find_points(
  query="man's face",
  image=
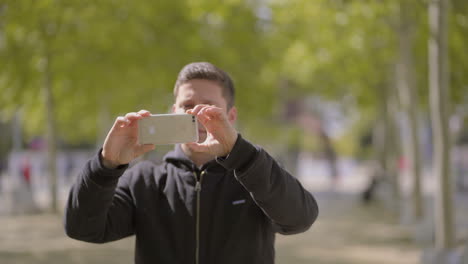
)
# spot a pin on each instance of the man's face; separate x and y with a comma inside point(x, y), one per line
point(200, 91)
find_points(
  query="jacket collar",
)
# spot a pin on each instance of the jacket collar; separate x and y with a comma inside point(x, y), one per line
point(178, 158)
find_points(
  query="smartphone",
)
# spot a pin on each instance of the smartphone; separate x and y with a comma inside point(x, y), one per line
point(167, 129)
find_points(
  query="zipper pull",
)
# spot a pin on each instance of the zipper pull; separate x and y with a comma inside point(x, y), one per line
point(199, 180)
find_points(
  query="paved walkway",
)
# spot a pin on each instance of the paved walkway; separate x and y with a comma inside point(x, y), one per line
point(346, 232)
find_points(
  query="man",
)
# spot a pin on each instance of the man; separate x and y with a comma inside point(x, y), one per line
point(220, 200)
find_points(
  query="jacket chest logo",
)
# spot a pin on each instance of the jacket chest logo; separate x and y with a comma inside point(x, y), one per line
point(237, 202)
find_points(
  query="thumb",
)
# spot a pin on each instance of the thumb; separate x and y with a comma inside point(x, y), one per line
point(197, 147)
point(142, 149)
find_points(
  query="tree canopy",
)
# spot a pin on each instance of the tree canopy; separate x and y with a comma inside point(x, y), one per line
point(110, 57)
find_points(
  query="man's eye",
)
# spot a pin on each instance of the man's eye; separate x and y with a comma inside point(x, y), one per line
point(186, 107)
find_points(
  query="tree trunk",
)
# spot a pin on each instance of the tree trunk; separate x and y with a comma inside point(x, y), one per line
point(439, 101)
point(392, 148)
point(50, 134)
point(409, 102)
point(385, 139)
point(17, 131)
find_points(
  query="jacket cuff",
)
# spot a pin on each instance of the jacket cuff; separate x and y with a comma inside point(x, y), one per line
point(240, 156)
point(104, 176)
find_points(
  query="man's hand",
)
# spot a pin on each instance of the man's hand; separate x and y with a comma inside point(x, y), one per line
point(221, 135)
point(121, 146)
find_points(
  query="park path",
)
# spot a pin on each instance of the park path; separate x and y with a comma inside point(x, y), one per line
point(346, 232)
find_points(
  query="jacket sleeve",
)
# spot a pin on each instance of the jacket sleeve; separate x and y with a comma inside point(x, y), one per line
point(281, 196)
point(100, 207)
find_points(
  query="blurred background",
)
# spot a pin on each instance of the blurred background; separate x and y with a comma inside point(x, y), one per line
point(365, 102)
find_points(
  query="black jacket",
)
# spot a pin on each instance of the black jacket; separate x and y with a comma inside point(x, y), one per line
point(225, 212)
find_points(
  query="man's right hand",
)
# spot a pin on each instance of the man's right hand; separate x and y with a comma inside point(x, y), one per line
point(121, 144)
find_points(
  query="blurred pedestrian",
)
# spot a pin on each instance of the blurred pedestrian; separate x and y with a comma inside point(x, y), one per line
point(220, 200)
point(26, 172)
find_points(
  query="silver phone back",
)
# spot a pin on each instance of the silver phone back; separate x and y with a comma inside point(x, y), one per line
point(167, 129)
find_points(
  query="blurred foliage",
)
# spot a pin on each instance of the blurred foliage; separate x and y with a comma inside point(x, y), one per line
point(110, 57)
point(118, 57)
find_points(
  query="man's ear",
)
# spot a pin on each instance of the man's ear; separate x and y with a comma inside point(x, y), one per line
point(232, 115)
point(173, 108)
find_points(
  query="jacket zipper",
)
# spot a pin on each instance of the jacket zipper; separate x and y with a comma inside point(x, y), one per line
point(197, 227)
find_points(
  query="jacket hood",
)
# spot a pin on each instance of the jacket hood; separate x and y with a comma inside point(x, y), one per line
point(178, 158)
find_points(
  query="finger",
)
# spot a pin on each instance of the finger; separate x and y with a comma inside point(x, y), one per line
point(207, 114)
point(144, 113)
point(210, 114)
point(133, 116)
point(203, 119)
point(213, 112)
point(121, 121)
point(194, 111)
point(197, 108)
point(142, 149)
point(202, 111)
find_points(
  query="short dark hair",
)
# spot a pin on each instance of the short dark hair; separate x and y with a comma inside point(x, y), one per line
point(207, 71)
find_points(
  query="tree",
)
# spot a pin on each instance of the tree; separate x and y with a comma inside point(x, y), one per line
point(439, 101)
point(405, 82)
point(89, 60)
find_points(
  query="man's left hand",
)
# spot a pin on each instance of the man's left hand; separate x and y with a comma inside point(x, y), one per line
point(221, 135)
